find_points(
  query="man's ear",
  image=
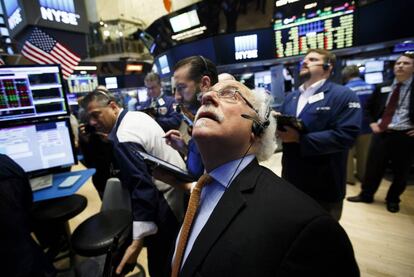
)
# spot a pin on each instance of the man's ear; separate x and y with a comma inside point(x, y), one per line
point(205, 83)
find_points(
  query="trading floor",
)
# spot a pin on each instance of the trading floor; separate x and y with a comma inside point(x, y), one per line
point(383, 241)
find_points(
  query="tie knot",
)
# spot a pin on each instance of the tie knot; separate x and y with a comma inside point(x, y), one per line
point(204, 179)
point(398, 85)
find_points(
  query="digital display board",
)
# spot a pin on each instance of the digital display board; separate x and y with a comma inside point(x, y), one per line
point(82, 83)
point(302, 25)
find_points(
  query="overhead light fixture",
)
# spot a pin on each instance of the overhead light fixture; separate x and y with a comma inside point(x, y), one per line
point(134, 67)
point(85, 67)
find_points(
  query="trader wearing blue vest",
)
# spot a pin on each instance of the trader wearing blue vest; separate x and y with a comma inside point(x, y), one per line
point(159, 105)
point(314, 160)
point(350, 76)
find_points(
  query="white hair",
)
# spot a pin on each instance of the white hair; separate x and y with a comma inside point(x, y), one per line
point(266, 144)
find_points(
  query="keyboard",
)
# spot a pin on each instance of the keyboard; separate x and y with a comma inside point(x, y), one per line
point(69, 181)
point(41, 182)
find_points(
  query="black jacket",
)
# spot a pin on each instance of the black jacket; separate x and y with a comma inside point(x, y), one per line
point(263, 226)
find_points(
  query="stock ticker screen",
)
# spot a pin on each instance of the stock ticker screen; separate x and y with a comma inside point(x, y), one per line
point(301, 25)
point(31, 92)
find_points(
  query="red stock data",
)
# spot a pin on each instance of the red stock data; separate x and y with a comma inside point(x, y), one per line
point(14, 93)
point(305, 24)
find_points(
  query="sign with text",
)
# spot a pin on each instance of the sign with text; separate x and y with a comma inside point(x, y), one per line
point(68, 15)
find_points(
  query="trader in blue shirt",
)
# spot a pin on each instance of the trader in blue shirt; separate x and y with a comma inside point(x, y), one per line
point(159, 105)
point(315, 160)
point(350, 76)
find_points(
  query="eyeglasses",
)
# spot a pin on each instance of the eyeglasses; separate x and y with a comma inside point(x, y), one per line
point(233, 95)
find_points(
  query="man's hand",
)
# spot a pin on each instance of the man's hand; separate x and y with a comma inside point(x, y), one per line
point(175, 140)
point(375, 128)
point(411, 133)
point(167, 177)
point(288, 136)
point(131, 254)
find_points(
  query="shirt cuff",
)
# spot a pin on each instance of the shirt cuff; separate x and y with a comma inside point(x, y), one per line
point(141, 229)
point(193, 184)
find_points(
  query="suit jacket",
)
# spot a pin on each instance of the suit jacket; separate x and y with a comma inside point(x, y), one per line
point(263, 226)
point(317, 164)
point(21, 256)
point(376, 103)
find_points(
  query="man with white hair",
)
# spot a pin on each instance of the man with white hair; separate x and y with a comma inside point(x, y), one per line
point(250, 222)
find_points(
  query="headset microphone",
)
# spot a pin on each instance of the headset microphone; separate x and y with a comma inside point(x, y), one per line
point(258, 127)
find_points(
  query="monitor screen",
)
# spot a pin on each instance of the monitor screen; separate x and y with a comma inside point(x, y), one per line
point(39, 147)
point(111, 82)
point(374, 78)
point(82, 83)
point(301, 25)
point(374, 66)
point(31, 92)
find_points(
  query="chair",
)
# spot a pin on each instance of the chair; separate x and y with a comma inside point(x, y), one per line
point(109, 231)
point(51, 223)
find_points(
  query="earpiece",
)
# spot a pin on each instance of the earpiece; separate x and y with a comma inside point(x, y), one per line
point(258, 126)
point(326, 66)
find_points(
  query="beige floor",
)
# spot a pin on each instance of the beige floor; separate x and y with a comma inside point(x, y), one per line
point(383, 242)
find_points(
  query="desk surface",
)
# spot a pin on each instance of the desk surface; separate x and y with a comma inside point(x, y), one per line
point(55, 191)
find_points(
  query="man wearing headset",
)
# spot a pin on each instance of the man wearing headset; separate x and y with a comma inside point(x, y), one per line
point(192, 76)
point(250, 222)
point(314, 160)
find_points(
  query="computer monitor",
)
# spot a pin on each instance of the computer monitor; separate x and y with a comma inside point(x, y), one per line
point(374, 78)
point(29, 92)
point(41, 147)
point(82, 83)
point(374, 66)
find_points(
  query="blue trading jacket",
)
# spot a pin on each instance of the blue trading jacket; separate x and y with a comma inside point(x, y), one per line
point(317, 165)
point(166, 116)
point(363, 91)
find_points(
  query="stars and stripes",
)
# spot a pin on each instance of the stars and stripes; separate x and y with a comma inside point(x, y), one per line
point(43, 49)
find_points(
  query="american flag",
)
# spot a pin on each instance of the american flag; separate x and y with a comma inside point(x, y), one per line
point(43, 49)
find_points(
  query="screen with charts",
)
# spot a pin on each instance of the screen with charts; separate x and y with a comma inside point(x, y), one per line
point(82, 83)
point(301, 25)
point(31, 92)
point(39, 147)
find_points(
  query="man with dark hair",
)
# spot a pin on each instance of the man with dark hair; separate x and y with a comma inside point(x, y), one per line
point(192, 76)
point(21, 256)
point(351, 79)
point(391, 111)
point(248, 221)
point(157, 208)
point(315, 160)
point(159, 105)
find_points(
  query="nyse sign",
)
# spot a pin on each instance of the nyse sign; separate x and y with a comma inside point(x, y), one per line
point(245, 47)
point(59, 16)
point(15, 19)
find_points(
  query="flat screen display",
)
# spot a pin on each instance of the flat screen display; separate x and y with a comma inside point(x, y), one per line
point(40, 146)
point(31, 92)
point(306, 24)
point(374, 66)
point(374, 78)
point(83, 83)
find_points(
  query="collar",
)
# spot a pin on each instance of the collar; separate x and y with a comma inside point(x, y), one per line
point(404, 83)
point(121, 114)
point(226, 173)
point(314, 87)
